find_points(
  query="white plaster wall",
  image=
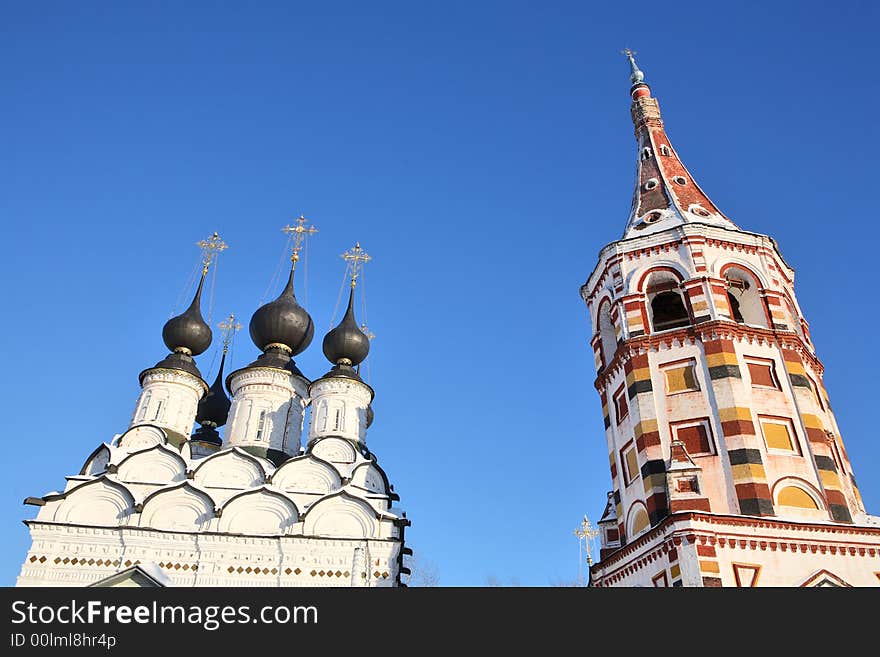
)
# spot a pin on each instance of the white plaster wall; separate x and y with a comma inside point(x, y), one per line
point(278, 394)
point(169, 399)
point(339, 408)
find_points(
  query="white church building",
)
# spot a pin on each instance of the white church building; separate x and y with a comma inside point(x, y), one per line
point(263, 506)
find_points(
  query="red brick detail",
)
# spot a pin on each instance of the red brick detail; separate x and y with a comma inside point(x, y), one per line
point(753, 490)
point(738, 428)
point(705, 551)
point(690, 504)
point(648, 439)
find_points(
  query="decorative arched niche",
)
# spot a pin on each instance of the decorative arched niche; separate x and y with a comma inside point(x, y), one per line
point(795, 497)
point(637, 520)
point(607, 333)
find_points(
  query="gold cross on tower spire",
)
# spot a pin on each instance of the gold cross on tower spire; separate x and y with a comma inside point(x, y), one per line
point(357, 258)
point(300, 232)
point(211, 248)
point(230, 327)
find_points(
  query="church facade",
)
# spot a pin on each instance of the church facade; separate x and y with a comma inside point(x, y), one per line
point(727, 464)
point(269, 504)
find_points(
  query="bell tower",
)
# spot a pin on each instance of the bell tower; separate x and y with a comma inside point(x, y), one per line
point(719, 429)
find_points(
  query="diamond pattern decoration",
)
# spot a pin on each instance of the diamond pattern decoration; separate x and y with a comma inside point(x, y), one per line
point(297, 571)
point(42, 559)
point(314, 572)
point(230, 570)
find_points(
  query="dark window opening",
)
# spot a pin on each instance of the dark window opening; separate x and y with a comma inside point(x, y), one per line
point(734, 308)
point(668, 311)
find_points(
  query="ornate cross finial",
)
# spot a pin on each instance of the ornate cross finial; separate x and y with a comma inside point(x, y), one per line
point(211, 247)
point(370, 335)
point(300, 232)
point(358, 258)
point(586, 533)
point(636, 75)
point(230, 327)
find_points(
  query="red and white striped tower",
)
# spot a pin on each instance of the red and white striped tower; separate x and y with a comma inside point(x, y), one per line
point(727, 465)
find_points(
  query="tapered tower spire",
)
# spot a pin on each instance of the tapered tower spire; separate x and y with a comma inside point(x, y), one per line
point(666, 193)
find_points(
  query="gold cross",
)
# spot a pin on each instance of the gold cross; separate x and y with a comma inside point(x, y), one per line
point(358, 258)
point(300, 232)
point(211, 247)
point(586, 533)
point(229, 327)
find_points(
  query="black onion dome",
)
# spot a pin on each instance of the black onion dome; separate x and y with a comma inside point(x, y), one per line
point(282, 321)
point(188, 332)
point(347, 342)
point(213, 409)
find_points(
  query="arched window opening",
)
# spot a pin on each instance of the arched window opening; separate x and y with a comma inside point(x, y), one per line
point(744, 298)
point(261, 426)
point(668, 311)
point(144, 405)
point(666, 303)
point(607, 334)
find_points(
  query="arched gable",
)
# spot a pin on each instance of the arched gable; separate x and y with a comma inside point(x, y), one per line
point(307, 474)
point(97, 461)
point(230, 468)
point(341, 515)
point(155, 465)
point(142, 436)
point(100, 501)
point(334, 450)
point(259, 511)
point(371, 477)
point(180, 508)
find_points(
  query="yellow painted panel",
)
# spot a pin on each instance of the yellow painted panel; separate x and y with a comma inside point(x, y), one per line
point(829, 479)
point(709, 567)
point(699, 305)
point(777, 436)
point(811, 421)
point(632, 465)
point(794, 496)
point(724, 358)
point(795, 367)
point(748, 471)
point(679, 379)
point(735, 413)
point(675, 571)
point(645, 426)
point(640, 521)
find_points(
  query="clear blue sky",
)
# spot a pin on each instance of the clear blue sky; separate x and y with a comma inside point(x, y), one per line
point(482, 152)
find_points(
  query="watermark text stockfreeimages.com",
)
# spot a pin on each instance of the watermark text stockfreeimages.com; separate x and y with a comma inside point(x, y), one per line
point(210, 617)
